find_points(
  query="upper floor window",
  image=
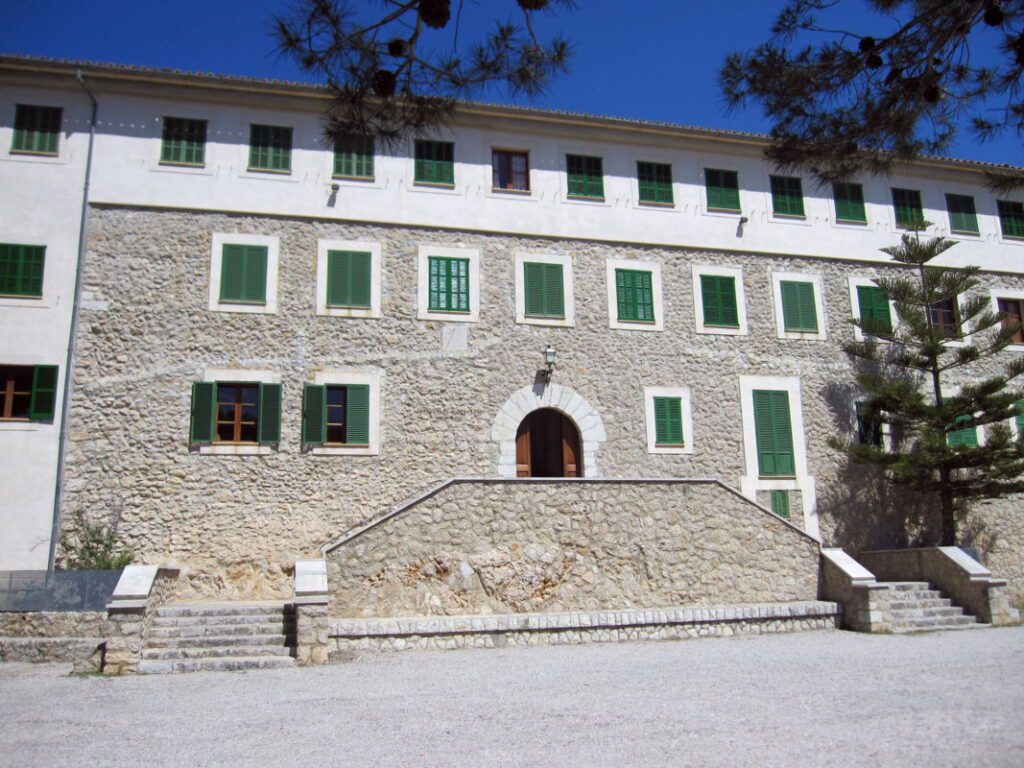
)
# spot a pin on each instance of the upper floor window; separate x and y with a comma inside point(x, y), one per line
point(1013, 317)
point(353, 157)
point(233, 412)
point(655, 183)
point(586, 176)
point(634, 296)
point(36, 129)
point(718, 300)
point(875, 315)
point(349, 279)
point(944, 317)
point(243, 274)
point(510, 170)
point(849, 200)
point(869, 425)
point(184, 141)
point(723, 190)
point(543, 290)
point(21, 270)
point(798, 306)
point(907, 205)
point(963, 219)
point(28, 392)
point(1011, 218)
point(449, 284)
point(773, 430)
point(270, 148)
point(434, 163)
point(787, 196)
point(336, 415)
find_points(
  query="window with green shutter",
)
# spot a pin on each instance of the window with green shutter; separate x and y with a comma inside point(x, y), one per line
point(869, 426)
point(718, 297)
point(723, 190)
point(336, 414)
point(780, 503)
point(963, 219)
point(28, 392)
point(585, 176)
point(774, 433)
point(875, 317)
point(348, 279)
point(787, 196)
point(36, 129)
point(184, 141)
point(668, 421)
point(239, 413)
point(634, 296)
point(655, 180)
point(849, 199)
point(434, 162)
point(1011, 218)
point(21, 269)
point(907, 205)
point(243, 274)
point(353, 156)
point(965, 436)
point(799, 313)
point(543, 290)
point(448, 286)
point(270, 148)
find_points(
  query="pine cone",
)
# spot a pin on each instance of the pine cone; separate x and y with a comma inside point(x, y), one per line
point(435, 13)
point(384, 83)
point(994, 15)
point(533, 5)
point(397, 47)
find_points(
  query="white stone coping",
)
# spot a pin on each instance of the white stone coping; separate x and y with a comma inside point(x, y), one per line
point(966, 563)
point(853, 570)
point(310, 581)
point(554, 622)
point(436, 489)
point(136, 584)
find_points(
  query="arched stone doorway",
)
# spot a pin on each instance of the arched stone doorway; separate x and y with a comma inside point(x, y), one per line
point(548, 445)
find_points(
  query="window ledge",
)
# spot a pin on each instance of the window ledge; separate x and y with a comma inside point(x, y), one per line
point(519, 192)
point(236, 450)
point(728, 211)
point(23, 296)
point(273, 171)
point(30, 153)
point(170, 164)
point(586, 198)
point(653, 204)
point(433, 184)
point(964, 233)
point(851, 222)
point(342, 177)
point(671, 450)
point(344, 450)
point(19, 425)
point(790, 216)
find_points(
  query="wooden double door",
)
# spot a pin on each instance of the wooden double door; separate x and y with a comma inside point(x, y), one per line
point(548, 445)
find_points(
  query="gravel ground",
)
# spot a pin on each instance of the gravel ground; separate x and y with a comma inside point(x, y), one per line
point(813, 699)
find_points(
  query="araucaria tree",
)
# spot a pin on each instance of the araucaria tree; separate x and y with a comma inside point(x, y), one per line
point(950, 440)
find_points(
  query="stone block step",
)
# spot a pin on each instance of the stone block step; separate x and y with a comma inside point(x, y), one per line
point(247, 618)
point(207, 630)
point(932, 622)
point(906, 586)
point(214, 641)
point(165, 666)
point(932, 602)
point(221, 609)
point(924, 613)
point(943, 628)
point(915, 594)
point(215, 652)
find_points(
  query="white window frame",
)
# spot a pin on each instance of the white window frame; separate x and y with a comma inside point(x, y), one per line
point(343, 376)
point(322, 249)
point(819, 308)
point(272, 244)
point(246, 376)
point(613, 305)
point(423, 283)
point(683, 393)
point(998, 293)
point(736, 273)
point(752, 482)
point(867, 282)
point(568, 296)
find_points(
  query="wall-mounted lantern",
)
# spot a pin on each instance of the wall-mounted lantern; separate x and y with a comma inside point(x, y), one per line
point(549, 361)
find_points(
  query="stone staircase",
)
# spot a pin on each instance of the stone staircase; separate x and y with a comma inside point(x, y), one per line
point(191, 637)
point(916, 607)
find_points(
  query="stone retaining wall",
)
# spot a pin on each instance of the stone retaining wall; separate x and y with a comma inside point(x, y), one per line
point(518, 546)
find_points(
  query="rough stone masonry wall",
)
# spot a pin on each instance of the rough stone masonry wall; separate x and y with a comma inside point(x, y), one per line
point(515, 547)
point(237, 524)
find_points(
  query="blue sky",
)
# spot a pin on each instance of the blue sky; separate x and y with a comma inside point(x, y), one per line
point(658, 61)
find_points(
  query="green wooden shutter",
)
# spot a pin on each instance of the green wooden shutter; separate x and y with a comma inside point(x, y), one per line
point(634, 295)
point(668, 421)
point(348, 279)
point(967, 436)
point(255, 274)
point(1011, 218)
point(232, 273)
point(869, 427)
point(722, 189)
point(21, 269)
point(1019, 419)
point(849, 199)
point(184, 141)
point(655, 182)
point(718, 296)
point(44, 393)
point(36, 129)
point(780, 503)
point(543, 290)
point(270, 414)
point(243, 274)
point(874, 310)
point(585, 176)
point(962, 216)
point(448, 289)
point(798, 310)
point(357, 415)
point(314, 414)
point(774, 433)
point(907, 205)
point(435, 162)
point(787, 196)
point(204, 398)
point(353, 156)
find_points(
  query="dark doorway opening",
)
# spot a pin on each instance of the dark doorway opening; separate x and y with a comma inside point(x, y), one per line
point(548, 445)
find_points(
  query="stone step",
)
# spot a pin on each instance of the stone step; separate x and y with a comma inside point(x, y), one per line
point(906, 586)
point(236, 663)
point(261, 608)
point(215, 652)
point(215, 641)
point(207, 630)
point(924, 613)
point(916, 594)
point(936, 622)
point(933, 602)
point(941, 628)
point(246, 618)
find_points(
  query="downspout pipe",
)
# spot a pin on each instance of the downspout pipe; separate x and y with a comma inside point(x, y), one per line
point(73, 333)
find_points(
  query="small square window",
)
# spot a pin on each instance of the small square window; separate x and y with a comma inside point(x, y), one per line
point(270, 148)
point(723, 190)
point(36, 129)
point(718, 294)
point(655, 183)
point(907, 206)
point(849, 200)
point(510, 171)
point(449, 284)
point(184, 142)
point(787, 196)
point(669, 421)
point(28, 392)
point(349, 279)
point(634, 296)
point(434, 163)
point(1011, 218)
point(585, 176)
point(1012, 308)
point(963, 219)
point(353, 157)
point(243, 274)
point(798, 307)
point(543, 290)
point(21, 270)
point(780, 503)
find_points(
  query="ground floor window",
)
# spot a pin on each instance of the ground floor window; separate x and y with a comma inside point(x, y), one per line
point(336, 415)
point(28, 392)
point(235, 413)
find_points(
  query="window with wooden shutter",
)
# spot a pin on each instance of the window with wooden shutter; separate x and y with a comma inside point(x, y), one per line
point(314, 416)
point(1013, 318)
point(243, 274)
point(270, 414)
point(668, 421)
point(774, 434)
point(585, 176)
point(204, 413)
point(235, 413)
point(434, 163)
point(36, 129)
point(718, 297)
point(336, 415)
point(353, 156)
point(849, 200)
point(358, 402)
point(869, 426)
point(963, 219)
point(655, 183)
point(873, 303)
point(544, 290)
point(965, 436)
point(787, 196)
point(28, 392)
point(44, 393)
point(348, 279)
point(723, 190)
point(184, 142)
point(907, 206)
point(780, 503)
point(1011, 218)
point(798, 307)
point(634, 295)
point(21, 270)
point(448, 287)
point(270, 148)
